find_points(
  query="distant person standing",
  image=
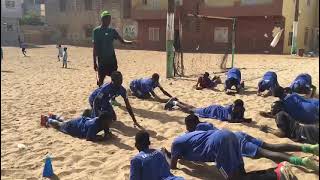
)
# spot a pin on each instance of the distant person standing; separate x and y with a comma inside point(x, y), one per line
point(103, 37)
point(1, 54)
point(64, 58)
point(23, 49)
point(60, 52)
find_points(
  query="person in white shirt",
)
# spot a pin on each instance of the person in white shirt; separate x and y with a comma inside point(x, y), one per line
point(64, 58)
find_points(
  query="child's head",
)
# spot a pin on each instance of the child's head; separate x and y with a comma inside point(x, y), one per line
point(231, 82)
point(206, 75)
point(105, 18)
point(116, 78)
point(284, 122)
point(276, 107)
point(106, 119)
point(142, 140)
point(278, 92)
point(155, 77)
point(191, 122)
point(87, 113)
point(65, 49)
point(59, 45)
point(238, 109)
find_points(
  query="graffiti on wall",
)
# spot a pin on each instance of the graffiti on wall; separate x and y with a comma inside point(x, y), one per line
point(130, 31)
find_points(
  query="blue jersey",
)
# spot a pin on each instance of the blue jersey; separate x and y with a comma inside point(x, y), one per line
point(220, 146)
point(82, 127)
point(302, 81)
point(268, 82)
point(301, 109)
point(235, 74)
point(100, 98)
point(215, 112)
point(144, 85)
point(205, 126)
point(149, 165)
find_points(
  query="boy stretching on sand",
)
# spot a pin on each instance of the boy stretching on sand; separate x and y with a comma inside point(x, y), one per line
point(82, 127)
point(268, 82)
point(144, 88)
point(103, 37)
point(205, 82)
point(233, 79)
point(232, 113)
point(299, 108)
point(100, 99)
point(223, 148)
point(289, 127)
point(149, 164)
point(303, 85)
point(255, 148)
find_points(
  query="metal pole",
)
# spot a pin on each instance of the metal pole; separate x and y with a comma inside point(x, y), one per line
point(233, 40)
point(170, 38)
point(295, 29)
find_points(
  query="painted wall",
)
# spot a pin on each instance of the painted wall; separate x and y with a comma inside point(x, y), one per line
point(151, 4)
point(307, 18)
point(14, 12)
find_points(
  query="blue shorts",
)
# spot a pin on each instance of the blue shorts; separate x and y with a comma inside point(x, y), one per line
point(249, 145)
point(66, 127)
point(138, 93)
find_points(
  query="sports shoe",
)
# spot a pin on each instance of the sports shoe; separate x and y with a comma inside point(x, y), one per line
point(310, 164)
point(284, 171)
point(169, 105)
point(314, 149)
point(44, 121)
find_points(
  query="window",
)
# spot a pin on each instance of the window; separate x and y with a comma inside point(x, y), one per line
point(10, 27)
point(10, 4)
point(290, 38)
point(154, 34)
point(306, 36)
point(63, 5)
point(88, 5)
point(221, 35)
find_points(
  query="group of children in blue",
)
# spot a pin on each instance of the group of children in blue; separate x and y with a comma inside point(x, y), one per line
point(203, 142)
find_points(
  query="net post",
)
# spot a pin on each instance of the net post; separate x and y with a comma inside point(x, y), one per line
point(233, 40)
point(170, 38)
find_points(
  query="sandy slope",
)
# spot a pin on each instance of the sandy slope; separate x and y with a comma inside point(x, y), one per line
point(37, 84)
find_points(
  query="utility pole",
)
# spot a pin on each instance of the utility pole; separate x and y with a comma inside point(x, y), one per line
point(170, 38)
point(295, 29)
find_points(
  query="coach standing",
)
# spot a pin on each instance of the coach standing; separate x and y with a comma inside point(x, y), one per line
point(103, 37)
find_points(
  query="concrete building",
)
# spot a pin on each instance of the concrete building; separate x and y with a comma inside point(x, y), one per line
point(76, 19)
point(33, 6)
point(11, 12)
point(258, 21)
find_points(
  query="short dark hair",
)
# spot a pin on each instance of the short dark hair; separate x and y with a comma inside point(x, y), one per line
point(87, 113)
point(191, 119)
point(276, 107)
point(65, 48)
point(115, 75)
point(142, 140)
point(155, 76)
point(238, 102)
point(206, 74)
point(278, 92)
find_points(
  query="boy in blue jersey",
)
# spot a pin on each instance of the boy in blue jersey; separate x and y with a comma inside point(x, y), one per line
point(149, 164)
point(232, 113)
point(289, 127)
point(205, 82)
point(82, 127)
point(299, 108)
point(233, 79)
point(100, 99)
point(144, 88)
point(255, 148)
point(303, 85)
point(223, 148)
point(103, 37)
point(268, 82)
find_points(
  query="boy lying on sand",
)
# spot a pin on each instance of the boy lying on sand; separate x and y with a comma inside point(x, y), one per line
point(205, 82)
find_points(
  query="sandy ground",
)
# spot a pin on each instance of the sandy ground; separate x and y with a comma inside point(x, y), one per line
point(36, 85)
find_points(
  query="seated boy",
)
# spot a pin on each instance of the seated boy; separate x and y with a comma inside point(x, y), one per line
point(82, 127)
point(223, 148)
point(232, 113)
point(268, 82)
point(100, 99)
point(303, 85)
point(144, 88)
point(149, 164)
point(233, 79)
point(299, 108)
point(256, 148)
point(205, 82)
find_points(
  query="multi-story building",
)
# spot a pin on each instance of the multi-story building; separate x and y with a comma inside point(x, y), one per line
point(32, 6)
point(258, 21)
point(76, 19)
point(11, 12)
